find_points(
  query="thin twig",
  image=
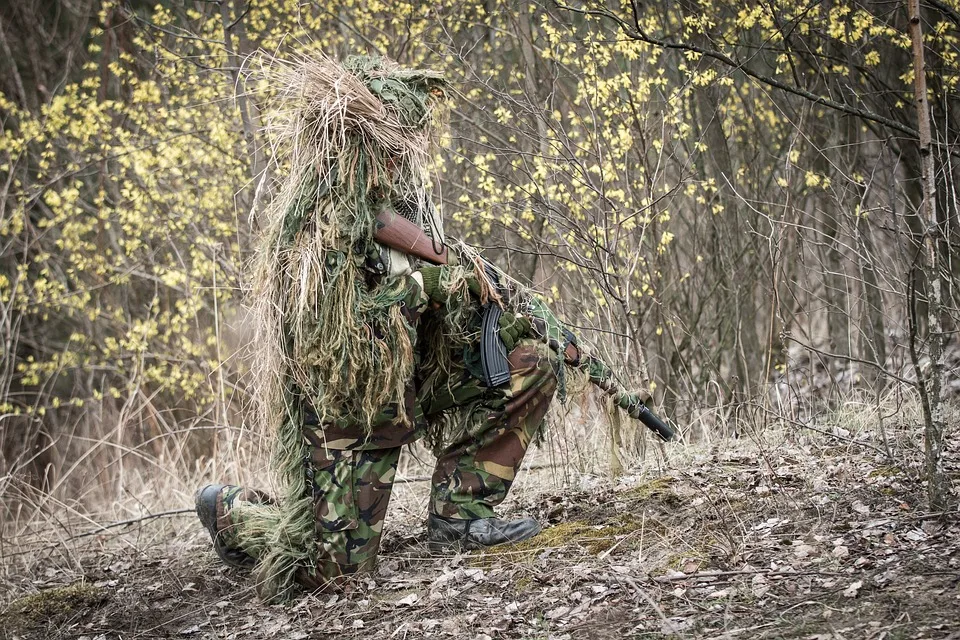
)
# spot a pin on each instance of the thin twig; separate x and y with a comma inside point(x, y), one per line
point(804, 425)
point(635, 32)
point(411, 479)
point(121, 523)
point(103, 527)
point(703, 575)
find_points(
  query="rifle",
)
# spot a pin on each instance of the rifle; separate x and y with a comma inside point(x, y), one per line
point(638, 410)
point(549, 329)
point(394, 231)
point(493, 353)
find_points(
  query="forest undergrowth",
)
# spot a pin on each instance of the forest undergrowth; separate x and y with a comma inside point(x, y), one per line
point(787, 532)
point(749, 208)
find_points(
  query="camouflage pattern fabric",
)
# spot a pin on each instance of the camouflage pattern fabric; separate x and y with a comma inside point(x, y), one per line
point(350, 471)
point(493, 428)
point(351, 490)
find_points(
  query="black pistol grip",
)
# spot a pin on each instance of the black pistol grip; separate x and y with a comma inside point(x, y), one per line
point(493, 353)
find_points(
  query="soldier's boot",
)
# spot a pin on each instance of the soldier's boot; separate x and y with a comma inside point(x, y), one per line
point(457, 534)
point(475, 471)
point(213, 504)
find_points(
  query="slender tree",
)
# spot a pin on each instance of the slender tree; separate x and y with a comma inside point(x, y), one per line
point(938, 484)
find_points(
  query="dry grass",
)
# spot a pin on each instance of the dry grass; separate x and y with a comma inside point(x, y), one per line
point(111, 480)
point(699, 506)
point(116, 481)
point(768, 535)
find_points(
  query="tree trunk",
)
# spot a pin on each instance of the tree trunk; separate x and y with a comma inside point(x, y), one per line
point(531, 84)
point(938, 484)
point(737, 261)
point(249, 116)
point(835, 287)
point(873, 341)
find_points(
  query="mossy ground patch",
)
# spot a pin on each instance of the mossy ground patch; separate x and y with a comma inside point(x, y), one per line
point(623, 530)
point(51, 604)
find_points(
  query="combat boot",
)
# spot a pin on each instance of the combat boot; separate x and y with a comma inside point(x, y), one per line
point(452, 533)
point(213, 503)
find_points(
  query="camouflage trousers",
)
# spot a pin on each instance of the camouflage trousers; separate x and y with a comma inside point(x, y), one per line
point(489, 429)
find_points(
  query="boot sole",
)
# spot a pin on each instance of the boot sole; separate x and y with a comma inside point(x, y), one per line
point(205, 503)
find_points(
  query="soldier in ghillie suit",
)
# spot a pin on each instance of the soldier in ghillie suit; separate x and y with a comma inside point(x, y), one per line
point(365, 348)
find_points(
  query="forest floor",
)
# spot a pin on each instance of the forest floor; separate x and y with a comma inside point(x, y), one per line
point(825, 539)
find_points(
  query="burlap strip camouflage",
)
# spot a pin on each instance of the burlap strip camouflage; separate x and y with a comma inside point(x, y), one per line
point(490, 432)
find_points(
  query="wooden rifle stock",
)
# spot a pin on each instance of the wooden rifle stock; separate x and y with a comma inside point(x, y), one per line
point(396, 232)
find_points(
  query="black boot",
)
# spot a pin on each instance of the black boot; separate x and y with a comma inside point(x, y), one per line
point(206, 501)
point(446, 533)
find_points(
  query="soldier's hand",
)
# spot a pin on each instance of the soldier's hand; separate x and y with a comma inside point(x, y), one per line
point(597, 369)
point(513, 328)
point(632, 403)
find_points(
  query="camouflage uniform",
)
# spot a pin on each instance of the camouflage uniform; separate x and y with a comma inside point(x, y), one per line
point(338, 305)
point(350, 472)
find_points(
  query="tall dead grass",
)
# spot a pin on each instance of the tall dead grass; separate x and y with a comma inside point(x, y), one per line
point(118, 482)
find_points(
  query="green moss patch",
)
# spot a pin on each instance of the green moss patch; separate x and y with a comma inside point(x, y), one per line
point(595, 534)
point(887, 471)
point(658, 487)
point(594, 539)
point(52, 604)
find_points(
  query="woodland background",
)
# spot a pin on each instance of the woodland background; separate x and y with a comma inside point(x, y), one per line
point(727, 198)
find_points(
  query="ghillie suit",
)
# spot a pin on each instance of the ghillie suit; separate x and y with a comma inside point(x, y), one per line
point(345, 380)
point(365, 349)
point(353, 138)
point(358, 140)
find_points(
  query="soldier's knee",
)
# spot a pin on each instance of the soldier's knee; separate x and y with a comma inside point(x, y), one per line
point(536, 364)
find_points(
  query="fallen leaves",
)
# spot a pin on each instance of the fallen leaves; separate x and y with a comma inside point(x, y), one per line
point(408, 600)
point(713, 556)
point(852, 590)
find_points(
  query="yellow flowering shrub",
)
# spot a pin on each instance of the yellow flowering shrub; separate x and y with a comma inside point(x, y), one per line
point(621, 169)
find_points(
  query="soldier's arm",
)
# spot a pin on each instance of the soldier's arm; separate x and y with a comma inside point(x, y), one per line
point(449, 286)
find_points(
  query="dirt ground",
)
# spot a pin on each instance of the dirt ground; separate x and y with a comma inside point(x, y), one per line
point(824, 539)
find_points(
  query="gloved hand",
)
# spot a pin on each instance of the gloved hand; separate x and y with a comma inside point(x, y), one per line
point(513, 328)
point(435, 290)
point(597, 369)
point(633, 403)
point(431, 283)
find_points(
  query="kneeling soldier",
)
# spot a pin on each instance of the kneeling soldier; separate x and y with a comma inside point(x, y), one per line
point(370, 330)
